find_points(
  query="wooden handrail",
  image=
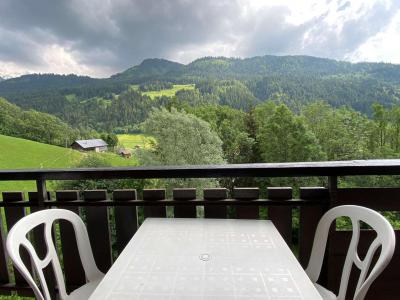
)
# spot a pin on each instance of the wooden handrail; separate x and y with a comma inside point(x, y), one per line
point(326, 168)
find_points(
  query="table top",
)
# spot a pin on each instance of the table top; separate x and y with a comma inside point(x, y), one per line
point(173, 258)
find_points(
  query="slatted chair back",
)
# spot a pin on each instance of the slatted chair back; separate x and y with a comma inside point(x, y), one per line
point(385, 239)
point(18, 237)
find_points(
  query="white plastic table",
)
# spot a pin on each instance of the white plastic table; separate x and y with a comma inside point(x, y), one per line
point(206, 259)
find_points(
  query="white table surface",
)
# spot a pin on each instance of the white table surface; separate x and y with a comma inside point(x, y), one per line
point(206, 259)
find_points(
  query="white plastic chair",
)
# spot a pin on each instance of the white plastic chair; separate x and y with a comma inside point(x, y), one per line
point(385, 239)
point(17, 238)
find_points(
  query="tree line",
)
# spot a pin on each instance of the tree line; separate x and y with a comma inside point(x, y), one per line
point(272, 132)
point(44, 128)
point(35, 126)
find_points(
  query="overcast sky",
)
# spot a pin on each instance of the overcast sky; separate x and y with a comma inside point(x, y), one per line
point(102, 37)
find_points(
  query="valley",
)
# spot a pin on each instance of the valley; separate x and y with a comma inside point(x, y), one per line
point(257, 109)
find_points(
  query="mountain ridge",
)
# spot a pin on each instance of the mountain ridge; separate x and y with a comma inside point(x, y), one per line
point(160, 66)
point(148, 68)
point(240, 82)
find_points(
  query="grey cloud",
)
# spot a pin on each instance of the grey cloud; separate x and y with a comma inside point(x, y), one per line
point(275, 36)
point(120, 33)
point(154, 28)
point(16, 46)
point(140, 29)
point(272, 34)
point(325, 41)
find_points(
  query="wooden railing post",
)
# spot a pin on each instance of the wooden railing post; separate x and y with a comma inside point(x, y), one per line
point(73, 270)
point(309, 218)
point(281, 216)
point(184, 211)
point(97, 219)
point(247, 211)
point(154, 211)
point(328, 259)
point(126, 218)
point(333, 191)
point(42, 194)
point(214, 211)
point(13, 215)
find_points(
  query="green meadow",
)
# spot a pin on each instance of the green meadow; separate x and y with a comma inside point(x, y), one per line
point(131, 141)
point(167, 92)
point(16, 153)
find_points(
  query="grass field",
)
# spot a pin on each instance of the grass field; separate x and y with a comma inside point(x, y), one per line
point(16, 153)
point(118, 161)
point(130, 141)
point(169, 92)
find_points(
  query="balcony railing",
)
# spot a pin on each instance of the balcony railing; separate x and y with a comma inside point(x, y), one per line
point(113, 218)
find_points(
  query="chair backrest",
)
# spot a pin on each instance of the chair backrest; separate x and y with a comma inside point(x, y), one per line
point(385, 239)
point(17, 238)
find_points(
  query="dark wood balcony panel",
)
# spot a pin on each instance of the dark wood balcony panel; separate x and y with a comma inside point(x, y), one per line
point(73, 270)
point(154, 196)
point(4, 276)
point(94, 195)
point(67, 195)
point(247, 194)
point(13, 215)
point(97, 219)
point(309, 218)
point(184, 211)
point(215, 195)
point(375, 198)
point(126, 218)
point(281, 216)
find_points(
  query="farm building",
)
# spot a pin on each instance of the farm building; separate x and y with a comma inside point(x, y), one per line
point(125, 152)
point(97, 145)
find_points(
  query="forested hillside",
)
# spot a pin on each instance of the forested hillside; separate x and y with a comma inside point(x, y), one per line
point(121, 102)
point(33, 125)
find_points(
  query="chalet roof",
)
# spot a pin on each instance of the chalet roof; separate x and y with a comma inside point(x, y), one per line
point(93, 143)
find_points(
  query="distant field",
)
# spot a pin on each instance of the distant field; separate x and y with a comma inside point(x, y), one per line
point(16, 153)
point(132, 140)
point(169, 92)
point(118, 161)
